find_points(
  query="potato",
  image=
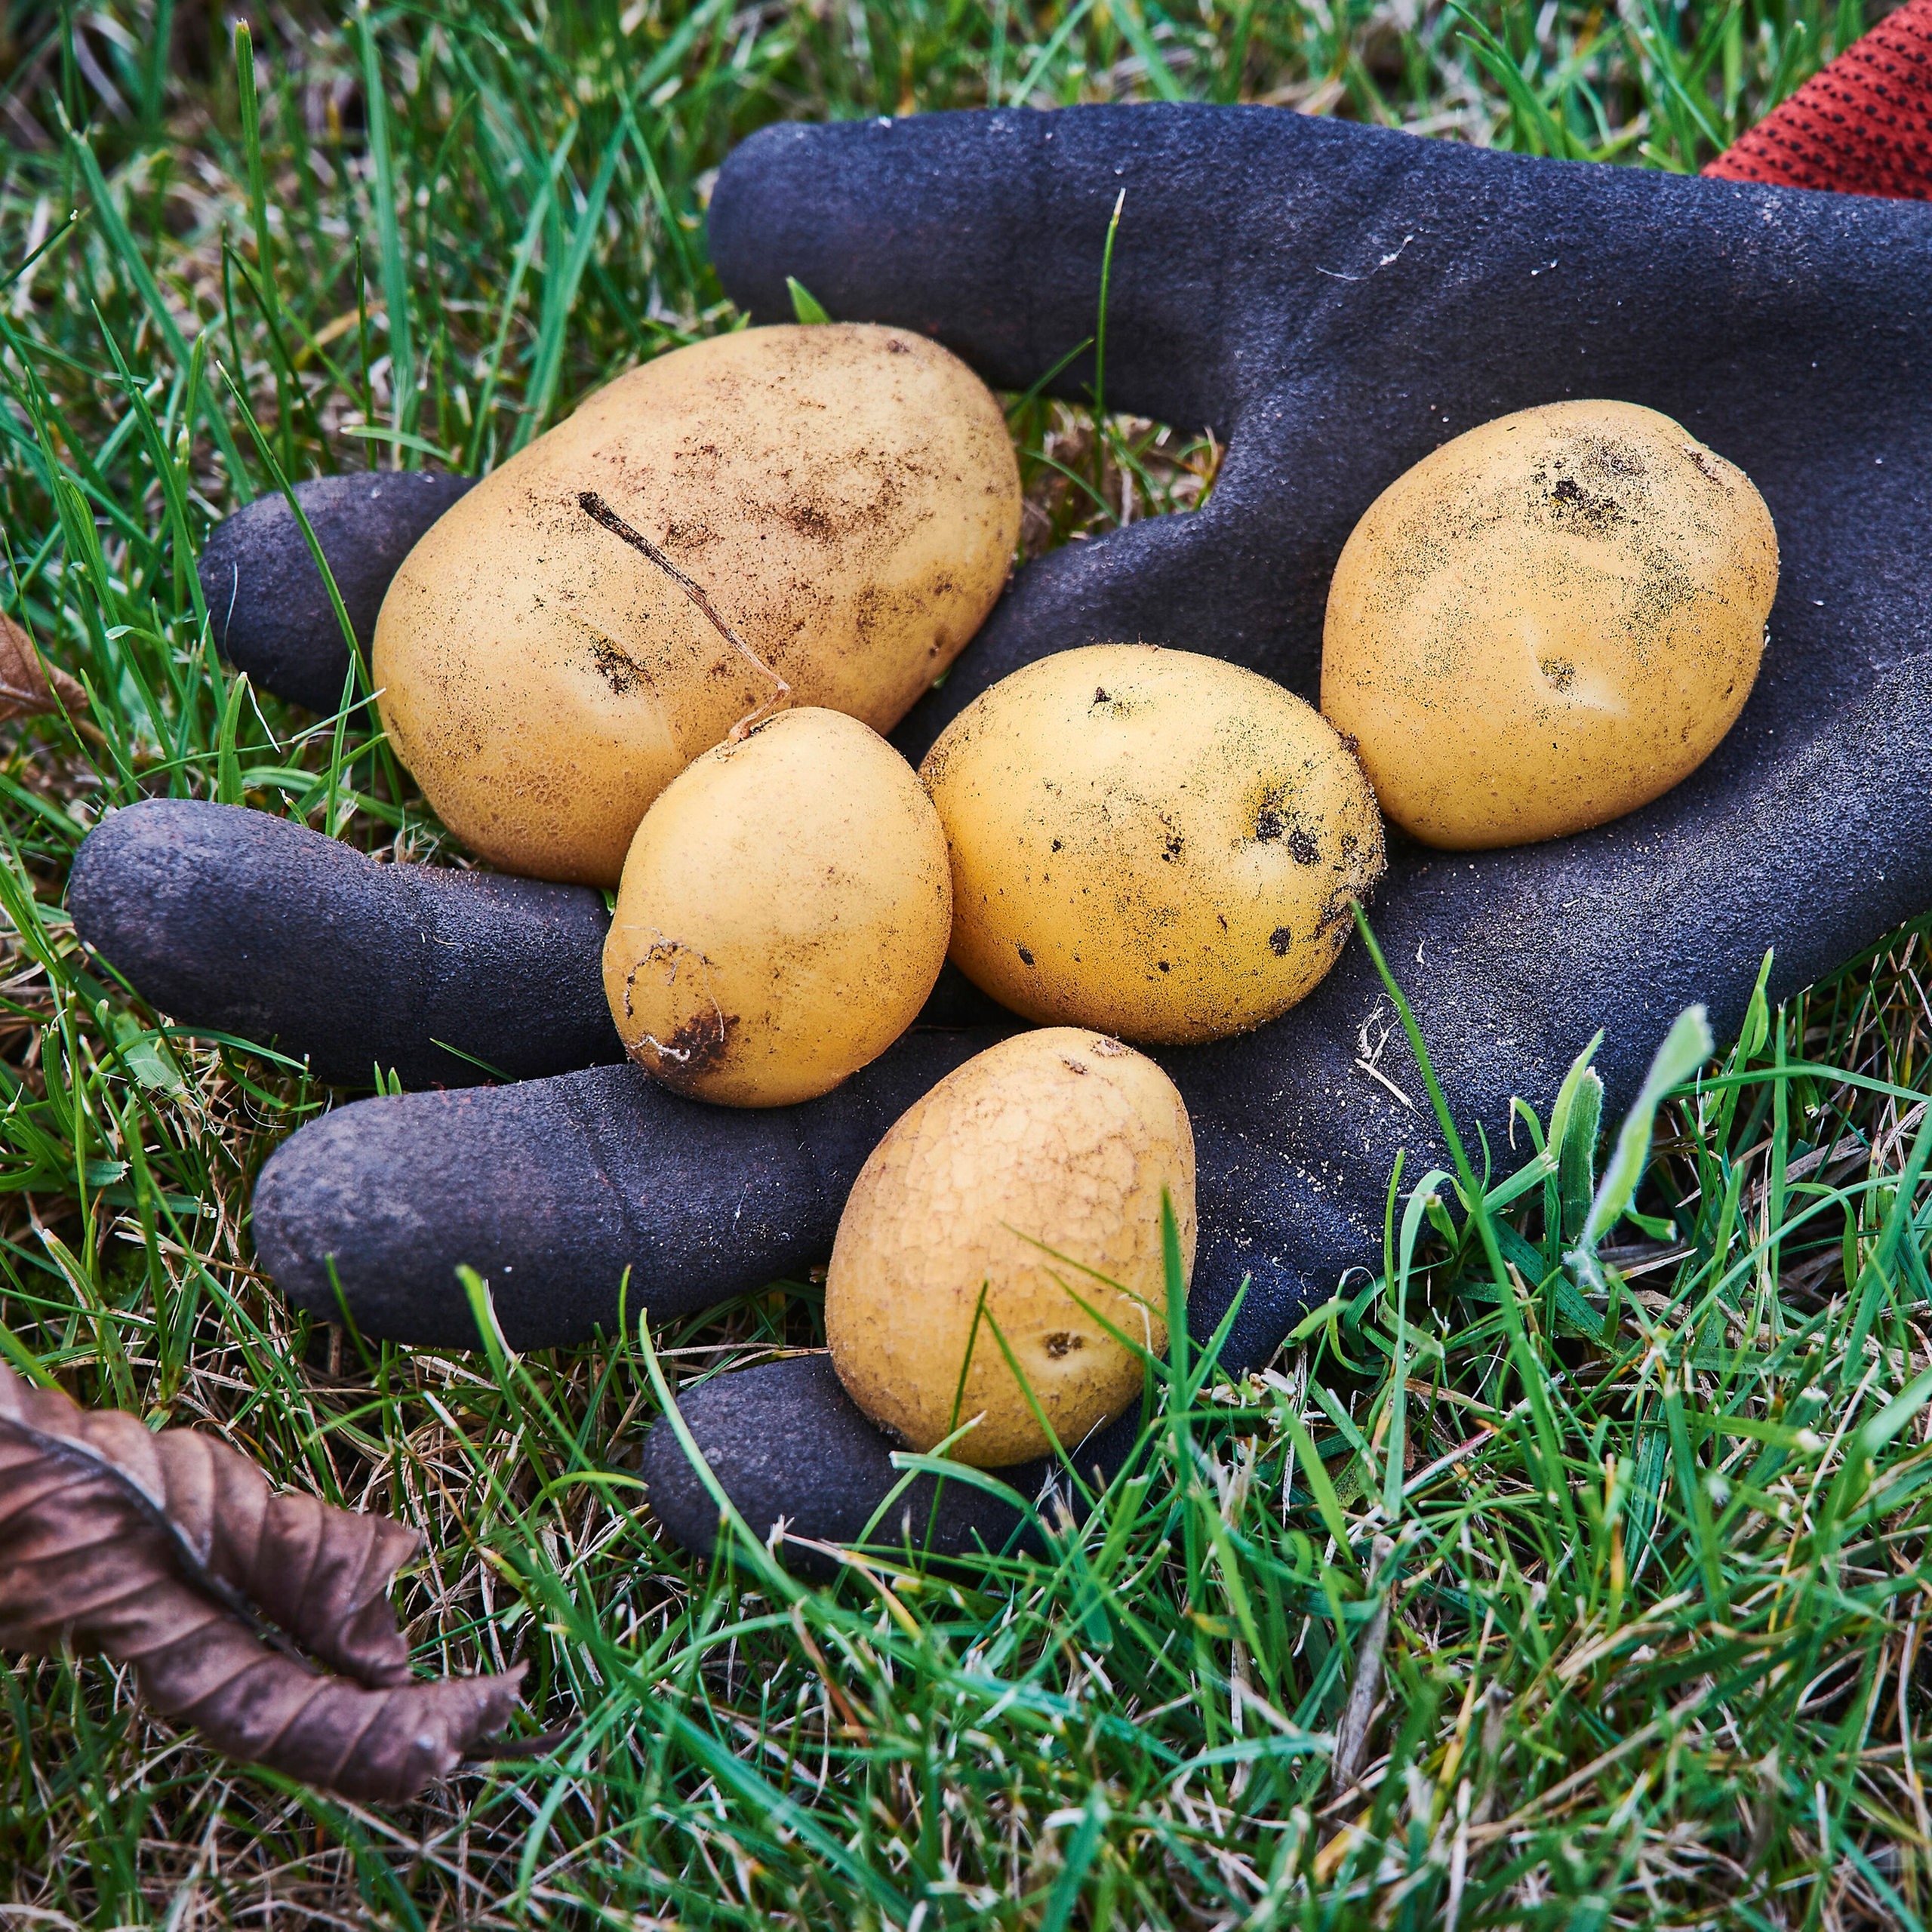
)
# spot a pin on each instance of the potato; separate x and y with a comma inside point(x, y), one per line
point(782, 916)
point(1158, 844)
point(1547, 622)
point(1063, 1138)
point(842, 499)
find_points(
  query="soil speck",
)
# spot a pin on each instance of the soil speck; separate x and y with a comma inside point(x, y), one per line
point(623, 674)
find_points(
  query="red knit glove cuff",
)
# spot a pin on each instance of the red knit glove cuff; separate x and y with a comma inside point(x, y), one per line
point(1862, 127)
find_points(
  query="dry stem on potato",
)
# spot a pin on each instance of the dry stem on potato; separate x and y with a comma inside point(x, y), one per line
point(598, 511)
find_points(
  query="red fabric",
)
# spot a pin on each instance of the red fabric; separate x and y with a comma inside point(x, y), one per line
point(1862, 127)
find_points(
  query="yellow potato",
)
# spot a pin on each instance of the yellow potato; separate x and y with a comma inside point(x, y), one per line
point(1064, 1136)
point(1547, 622)
point(843, 499)
point(1162, 845)
point(782, 916)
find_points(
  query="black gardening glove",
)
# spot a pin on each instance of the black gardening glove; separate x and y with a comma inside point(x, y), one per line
point(1336, 302)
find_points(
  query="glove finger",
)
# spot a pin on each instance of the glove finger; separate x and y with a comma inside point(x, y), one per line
point(234, 922)
point(1260, 254)
point(552, 1190)
point(790, 1448)
point(266, 601)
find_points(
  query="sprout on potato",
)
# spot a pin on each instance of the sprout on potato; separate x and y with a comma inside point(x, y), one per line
point(1549, 622)
point(783, 914)
point(1027, 1183)
point(1162, 845)
point(830, 511)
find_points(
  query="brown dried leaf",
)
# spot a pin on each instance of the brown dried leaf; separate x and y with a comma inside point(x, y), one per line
point(29, 688)
point(159, 1550)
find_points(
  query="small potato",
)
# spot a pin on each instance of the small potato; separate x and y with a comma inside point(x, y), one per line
point(842, 501)
point(1158, 844)
point(1065, 1137)
point(783, 914)
point(1547, 622)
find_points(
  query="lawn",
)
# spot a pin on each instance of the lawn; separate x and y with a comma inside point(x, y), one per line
point(1466, 1611)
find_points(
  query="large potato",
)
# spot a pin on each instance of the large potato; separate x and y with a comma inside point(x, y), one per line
point(1061, 1140)
point(843, 499)
point(1159, 844)
point(782, 916)
point(1549, 621)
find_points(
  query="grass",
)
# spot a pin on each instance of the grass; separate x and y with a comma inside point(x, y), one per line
point(1592, 1596)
